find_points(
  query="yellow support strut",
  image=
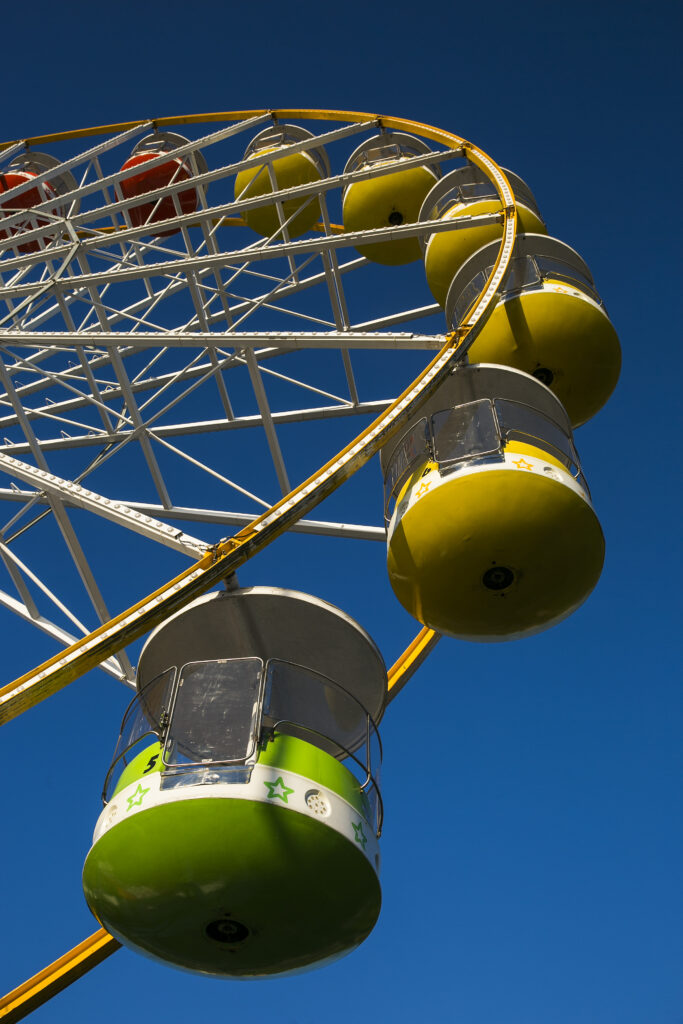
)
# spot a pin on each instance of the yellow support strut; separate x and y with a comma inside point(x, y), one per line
point(411, 659)
point(59, 975)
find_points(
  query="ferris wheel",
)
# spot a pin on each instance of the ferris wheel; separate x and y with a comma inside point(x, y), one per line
point(188, 309)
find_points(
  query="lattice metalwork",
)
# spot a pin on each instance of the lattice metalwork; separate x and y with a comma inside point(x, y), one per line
point(170, 371)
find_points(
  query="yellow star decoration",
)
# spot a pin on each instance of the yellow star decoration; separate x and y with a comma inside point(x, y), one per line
point(422, 489)
point(522, 464)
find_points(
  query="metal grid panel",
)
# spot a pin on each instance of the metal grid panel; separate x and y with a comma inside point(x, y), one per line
point(154, 341)
point(122, 347)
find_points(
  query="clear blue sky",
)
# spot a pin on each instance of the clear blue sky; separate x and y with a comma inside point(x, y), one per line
point(533, 846)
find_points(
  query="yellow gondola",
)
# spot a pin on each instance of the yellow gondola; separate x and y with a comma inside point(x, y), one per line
point(467, 192)
point(391, 199)
point(549, 321)
point(493, 535)
point(291, 168)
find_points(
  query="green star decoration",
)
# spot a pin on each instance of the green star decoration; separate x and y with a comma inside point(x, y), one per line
point(137, 798)
point(360, 834)
point(278, 790)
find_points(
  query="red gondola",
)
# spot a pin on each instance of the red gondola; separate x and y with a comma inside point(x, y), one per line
point(175, 169)
point(23, 169)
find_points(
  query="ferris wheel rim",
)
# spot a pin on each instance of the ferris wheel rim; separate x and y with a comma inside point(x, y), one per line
point(225, 557)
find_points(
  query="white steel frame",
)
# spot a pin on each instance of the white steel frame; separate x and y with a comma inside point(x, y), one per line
point(93, 322)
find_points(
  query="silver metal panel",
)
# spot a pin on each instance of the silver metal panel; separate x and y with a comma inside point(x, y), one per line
point(279, 137)
point(487, 380)
point(388, 146)
point(466, 177)
point(525, 245)
point(267, 622)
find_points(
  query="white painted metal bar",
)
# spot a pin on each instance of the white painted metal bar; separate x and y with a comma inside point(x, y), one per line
point(258, 253)
point(40, 289)
point(113, 510)
point(203, 180)
point(305, 246)
point(339, 304)
point(58, 377)
point(220, 384)
point(113, 391)
point(29, 500)
point(316, 322)
point(211, 472)
point(9, 561)
point(251, 305)
point(159, 385)
point(303, 385)
point(110, 665)
point(283, 220)
point(371, 327)
point(355, 263)
point(141, 430)
point(352, 531)
point(114, 179)
point(13, 558)
point(59, 512)
point(183, 375)
point(355, 337)
point(172, 288)
point(47, 415)
point(209, 426)
point(231, 520)
point(234, 208)
point(11, 151)
point(267, 419)
point(87, 371)
point(131, 404)
point(71, 162)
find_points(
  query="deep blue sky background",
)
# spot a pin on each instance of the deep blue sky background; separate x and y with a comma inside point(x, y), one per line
point(533, 842)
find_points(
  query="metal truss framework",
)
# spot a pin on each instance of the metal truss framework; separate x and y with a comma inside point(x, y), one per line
point(136, 365)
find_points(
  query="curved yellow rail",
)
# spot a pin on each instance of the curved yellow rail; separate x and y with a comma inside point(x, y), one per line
point(226, 557)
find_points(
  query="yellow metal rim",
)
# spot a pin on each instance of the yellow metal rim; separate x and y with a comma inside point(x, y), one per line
point(225, 558)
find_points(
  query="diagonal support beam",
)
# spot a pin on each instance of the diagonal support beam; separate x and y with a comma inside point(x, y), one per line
point(25, 612)
point(62, 519)
point(115, 511)
point(365, 336)
point(268, 425)
point(59, 975)
point(409, 662)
